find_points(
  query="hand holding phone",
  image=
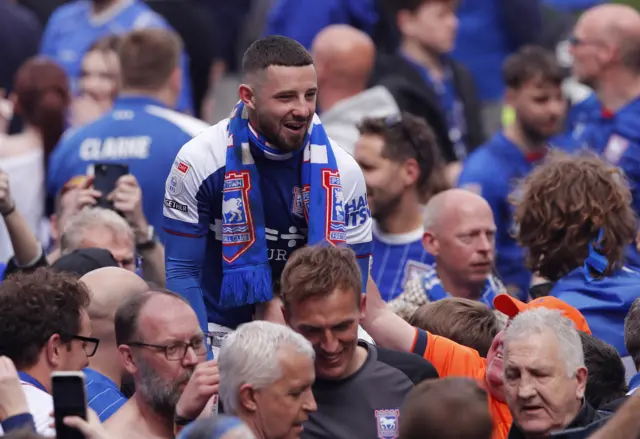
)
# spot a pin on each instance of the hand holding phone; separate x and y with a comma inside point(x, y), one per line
point(69, 399)
point(105, 177)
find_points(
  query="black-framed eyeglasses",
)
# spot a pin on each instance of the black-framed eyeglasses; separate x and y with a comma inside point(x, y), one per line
point(178, 350)
point(89, 344)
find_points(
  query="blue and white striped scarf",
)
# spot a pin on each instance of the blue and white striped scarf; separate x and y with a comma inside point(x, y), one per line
point(435, 291)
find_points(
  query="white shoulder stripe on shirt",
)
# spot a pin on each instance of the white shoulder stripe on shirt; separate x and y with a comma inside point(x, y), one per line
point(186, 123)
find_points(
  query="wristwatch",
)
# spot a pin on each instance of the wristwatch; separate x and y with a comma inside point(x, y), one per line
point(150, 243)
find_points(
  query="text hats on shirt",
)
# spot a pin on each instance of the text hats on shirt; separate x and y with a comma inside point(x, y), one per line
point(511, 307)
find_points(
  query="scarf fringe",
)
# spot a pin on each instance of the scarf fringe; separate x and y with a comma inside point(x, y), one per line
point(246, 285)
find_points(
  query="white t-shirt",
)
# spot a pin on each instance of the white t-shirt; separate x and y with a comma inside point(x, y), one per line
point(41, 407)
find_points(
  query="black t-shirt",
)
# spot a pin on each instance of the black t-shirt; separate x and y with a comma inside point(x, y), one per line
point(367, 404)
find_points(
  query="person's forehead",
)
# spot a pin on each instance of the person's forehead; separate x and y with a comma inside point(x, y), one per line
point(296, 366)
point(166, 317)
point(276, 78)
point(534, 350)
point(369, 145)
point(107, 238)
point(469, 214)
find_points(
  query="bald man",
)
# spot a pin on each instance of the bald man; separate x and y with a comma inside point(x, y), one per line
point(459, 231)
point(344, 57)
point(606, 52)
point(109, 287)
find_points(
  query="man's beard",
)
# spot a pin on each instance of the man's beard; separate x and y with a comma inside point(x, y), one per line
point(273, 133)
point(160, 395)
point(385, 209)
point(533, 134)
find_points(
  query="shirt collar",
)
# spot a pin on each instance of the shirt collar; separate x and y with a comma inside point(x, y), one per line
point(128, 101)
point(28, 379)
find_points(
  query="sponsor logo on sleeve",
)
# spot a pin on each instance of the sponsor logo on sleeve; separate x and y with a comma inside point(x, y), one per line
point(175, 184)
point(181, 167)
point(175, 205)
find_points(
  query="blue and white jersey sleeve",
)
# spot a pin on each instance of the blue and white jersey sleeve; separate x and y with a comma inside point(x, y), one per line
point(192, 189)
point(358, 220)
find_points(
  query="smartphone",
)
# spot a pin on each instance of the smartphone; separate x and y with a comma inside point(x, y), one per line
point(105, 176)
point(69, 399)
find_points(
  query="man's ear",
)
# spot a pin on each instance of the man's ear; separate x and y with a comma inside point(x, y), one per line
point(53, 350)
point(430, 243)
point(363, 306)
point(247, 96)
point(411, 172)
point(127, 359)
point(581, 376)
point(247, 398)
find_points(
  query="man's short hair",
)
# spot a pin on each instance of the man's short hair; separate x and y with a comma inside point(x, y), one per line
point(632, 332)
point(275, 50)
point(606, 379)
point(317, 271)
point(249, 355)
point(148, 57)
point(539, 321)
point(428, 406)
point(91, 219)
point(467, 322)
point(128, 314)
point(410, 137)
point(563, 205)
point(531, 62)
point(35, 306)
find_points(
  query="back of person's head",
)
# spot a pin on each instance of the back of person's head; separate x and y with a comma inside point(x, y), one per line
point(249, 355)
point(467, 322)
point(606, 379)
point(318, 271)
point(110, 287)
point(531, 63)
point(91, 219)
point(563, 206)
point(408, 137)
point(429, 406)
point(34, 307)
point(274, 51)
point(632, 332)
point(149, 58)
point(42, 98)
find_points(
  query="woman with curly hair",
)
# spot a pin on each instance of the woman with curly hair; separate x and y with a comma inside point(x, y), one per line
point(575, 221)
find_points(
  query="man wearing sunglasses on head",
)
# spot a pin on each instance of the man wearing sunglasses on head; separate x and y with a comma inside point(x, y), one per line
point(163, 348)
point(45, 328)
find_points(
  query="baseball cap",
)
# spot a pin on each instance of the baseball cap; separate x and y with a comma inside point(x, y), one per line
point(85, 260)
point(512, 307)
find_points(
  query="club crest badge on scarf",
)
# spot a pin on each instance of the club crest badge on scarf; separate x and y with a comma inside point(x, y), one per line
point(238, 230)
point(335, 232)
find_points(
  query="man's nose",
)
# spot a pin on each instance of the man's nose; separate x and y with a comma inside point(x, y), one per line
point(309, 404)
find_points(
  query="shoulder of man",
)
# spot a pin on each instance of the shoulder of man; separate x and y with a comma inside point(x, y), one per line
point(189, 125)
point(415, 367)
point(40, 406)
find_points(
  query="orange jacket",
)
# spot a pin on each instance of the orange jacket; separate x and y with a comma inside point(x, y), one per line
point(451, 359)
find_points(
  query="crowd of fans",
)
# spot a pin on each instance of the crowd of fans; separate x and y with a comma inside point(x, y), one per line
point(391, 219)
